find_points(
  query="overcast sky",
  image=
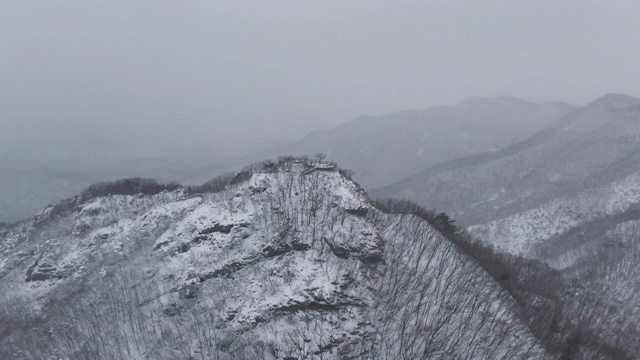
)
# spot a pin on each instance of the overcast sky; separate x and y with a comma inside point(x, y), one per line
point(282, 68)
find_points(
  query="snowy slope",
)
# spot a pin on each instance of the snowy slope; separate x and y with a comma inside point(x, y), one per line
point(521, 233)
point(599, 261)
point(290, 263)
point(568, 198)
point(591, 146)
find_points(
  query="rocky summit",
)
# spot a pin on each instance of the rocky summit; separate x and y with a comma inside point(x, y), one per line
point(284, 260)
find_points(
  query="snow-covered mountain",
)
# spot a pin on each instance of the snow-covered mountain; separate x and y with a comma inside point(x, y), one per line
point(286, 260)
point(567, 196)
point(589, 147)
point(387, 148)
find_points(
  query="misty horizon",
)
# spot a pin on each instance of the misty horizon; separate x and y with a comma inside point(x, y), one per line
point(286, 69)
point(286, 180)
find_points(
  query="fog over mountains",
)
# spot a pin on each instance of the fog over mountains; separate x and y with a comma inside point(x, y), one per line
point(537, 235)
point(381, 150)
point(287, 180)
point(567, 196)
point(39, 171)
point(373, 146)
point(591, 145)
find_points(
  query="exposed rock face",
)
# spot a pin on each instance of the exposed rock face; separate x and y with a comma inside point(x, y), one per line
point(289, 271)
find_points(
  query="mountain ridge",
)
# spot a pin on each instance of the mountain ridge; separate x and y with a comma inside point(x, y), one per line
point(568, 197)
point(283, 260)
point(386, 148)
point(535, 161)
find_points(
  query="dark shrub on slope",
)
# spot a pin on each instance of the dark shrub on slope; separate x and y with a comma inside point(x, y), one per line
point(545, 298)
point(131, 186)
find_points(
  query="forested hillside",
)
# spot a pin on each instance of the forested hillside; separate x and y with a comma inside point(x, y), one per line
point(285, 259)
point(591, 146)
point(567, 199)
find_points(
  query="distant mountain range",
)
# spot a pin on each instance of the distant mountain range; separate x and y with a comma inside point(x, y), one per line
point(37, 173)
point(380, 149)
point(588, 147)
point(388, 148)
point(568, 196)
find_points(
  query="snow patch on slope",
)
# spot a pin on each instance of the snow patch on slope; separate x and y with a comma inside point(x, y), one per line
point(520, 233)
